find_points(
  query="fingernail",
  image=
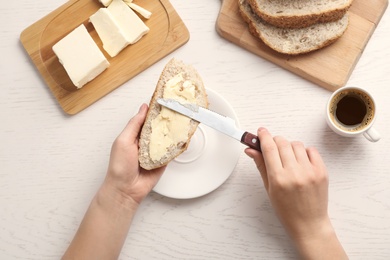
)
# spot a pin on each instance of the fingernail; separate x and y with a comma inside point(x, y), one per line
point(142, 107)
point(246, 151)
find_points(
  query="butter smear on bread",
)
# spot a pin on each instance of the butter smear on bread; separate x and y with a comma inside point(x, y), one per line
point(169, 127)
point(166, 134)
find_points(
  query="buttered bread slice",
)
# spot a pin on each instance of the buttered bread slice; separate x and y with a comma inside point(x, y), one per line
point(299, 13)
point(166, 134)
point(293, 41)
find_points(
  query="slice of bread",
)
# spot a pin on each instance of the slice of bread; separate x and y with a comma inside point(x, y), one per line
point(299, 13)
point(293, 41)
point(172, 69)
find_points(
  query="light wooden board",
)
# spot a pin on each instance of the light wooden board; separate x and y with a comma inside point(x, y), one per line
point(330, 67)
point(167, 33)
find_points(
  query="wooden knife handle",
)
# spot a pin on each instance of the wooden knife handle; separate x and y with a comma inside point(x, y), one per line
point(251, 140)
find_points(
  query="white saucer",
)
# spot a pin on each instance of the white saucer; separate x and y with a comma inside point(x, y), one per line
point(208, 161)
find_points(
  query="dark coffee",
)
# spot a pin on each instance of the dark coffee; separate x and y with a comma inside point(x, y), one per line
point(351, 110)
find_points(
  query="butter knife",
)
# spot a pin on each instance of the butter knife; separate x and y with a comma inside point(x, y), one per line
point(223, 124)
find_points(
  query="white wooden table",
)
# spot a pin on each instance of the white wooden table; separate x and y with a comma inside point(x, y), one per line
point(52, 164)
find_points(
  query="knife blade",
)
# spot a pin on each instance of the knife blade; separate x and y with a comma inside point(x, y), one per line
point(223, 124)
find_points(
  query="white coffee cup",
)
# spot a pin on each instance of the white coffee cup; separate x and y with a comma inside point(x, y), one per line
point(351, 111)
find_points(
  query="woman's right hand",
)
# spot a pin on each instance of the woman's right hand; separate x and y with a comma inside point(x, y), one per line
point(296, 181)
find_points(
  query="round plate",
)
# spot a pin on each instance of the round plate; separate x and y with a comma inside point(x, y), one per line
point(208, 161)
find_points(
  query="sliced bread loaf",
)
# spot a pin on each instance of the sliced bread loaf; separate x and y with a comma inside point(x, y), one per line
point(299, 13)
point(158, 144)
point(293, 41)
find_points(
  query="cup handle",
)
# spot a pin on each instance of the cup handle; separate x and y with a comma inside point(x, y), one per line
point(372, 135)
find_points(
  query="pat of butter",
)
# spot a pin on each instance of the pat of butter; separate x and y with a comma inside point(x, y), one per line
point(131, 25)
point(169, 127)
point(105, 2)
point(142, 11)
point(109, 31)
point(80, 56)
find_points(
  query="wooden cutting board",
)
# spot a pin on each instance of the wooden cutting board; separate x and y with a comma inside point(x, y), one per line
point(167, 33)
point(330, 67)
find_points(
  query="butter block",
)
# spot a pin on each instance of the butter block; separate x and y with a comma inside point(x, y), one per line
point(113, 38)
point(132, 26)
point(80, 56)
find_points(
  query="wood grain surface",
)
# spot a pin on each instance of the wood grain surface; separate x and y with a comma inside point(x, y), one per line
point(167, 33)
point(329, 67)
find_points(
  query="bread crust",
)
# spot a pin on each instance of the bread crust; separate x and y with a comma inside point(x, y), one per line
point(292, 20)
point(260, 29)
point(171, 69)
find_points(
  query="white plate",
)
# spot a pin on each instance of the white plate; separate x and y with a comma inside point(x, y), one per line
point(208, 161)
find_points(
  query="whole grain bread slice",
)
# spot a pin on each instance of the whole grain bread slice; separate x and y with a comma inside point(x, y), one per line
point(299, 13)
point(172, 68)
point(293, 41)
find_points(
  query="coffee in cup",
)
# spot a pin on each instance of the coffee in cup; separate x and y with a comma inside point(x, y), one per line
point(352, 111)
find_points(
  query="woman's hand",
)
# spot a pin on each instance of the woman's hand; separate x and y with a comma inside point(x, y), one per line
point(296, 181)
point(124, 174)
